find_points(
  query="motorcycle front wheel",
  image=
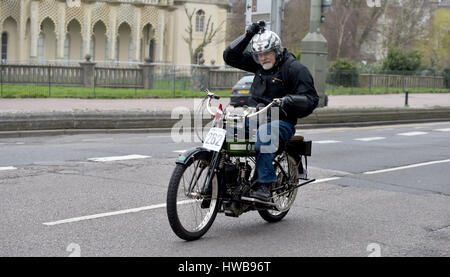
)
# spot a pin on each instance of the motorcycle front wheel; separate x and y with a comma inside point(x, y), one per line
point(191, 207)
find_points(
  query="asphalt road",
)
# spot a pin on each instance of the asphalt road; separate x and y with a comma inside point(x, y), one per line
point(386, 186)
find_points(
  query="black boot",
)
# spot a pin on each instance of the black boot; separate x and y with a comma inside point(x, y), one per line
point(262, 192)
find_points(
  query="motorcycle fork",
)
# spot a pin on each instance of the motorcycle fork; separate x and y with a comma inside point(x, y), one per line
point(212, 170)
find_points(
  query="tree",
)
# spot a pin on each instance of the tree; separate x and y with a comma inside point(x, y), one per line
point(405, 23)
point(296, 24)
point(208, 35)
point(350, 24)
point(236, 22)
point(436, 44)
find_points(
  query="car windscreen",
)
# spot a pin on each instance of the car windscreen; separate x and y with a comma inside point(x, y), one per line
point(247, 80)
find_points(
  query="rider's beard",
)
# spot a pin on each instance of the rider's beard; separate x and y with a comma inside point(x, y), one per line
point(267, 65)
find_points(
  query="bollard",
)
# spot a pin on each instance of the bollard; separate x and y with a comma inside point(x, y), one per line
point(406, 98)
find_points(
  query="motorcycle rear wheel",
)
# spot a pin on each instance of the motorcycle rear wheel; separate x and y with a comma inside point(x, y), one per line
point(283, 198)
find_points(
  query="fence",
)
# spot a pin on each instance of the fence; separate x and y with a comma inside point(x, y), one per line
point(33, 74)
point(38, 80)
point(118, 77)
point(386, 82)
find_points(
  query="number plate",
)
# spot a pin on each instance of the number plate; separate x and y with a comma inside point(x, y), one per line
point(215, 138)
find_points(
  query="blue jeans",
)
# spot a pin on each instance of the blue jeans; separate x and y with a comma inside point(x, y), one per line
point(266, 146)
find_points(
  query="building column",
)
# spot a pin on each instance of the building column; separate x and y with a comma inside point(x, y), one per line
point(112, 38)
point(61, 31)
point(160, 41)
point(173, 38)
point(34, 30)
point(87, 35)
point(137, 35)
point(22, 30)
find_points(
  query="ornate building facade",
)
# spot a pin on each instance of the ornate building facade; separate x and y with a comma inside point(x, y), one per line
point(110, 31)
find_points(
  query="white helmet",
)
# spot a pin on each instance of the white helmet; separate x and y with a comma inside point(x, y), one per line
point(264, 42)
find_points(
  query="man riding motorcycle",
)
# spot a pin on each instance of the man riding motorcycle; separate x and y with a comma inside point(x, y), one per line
point(277, 75)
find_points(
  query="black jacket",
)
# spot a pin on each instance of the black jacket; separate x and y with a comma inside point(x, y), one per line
point(269, 84)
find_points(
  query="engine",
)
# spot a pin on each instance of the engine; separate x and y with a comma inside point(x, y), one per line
point(237, 181)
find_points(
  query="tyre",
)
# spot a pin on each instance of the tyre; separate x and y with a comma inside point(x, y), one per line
point(287, 173)
point(190, 210)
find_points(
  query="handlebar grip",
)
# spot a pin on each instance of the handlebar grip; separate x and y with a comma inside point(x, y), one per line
point(217, 97)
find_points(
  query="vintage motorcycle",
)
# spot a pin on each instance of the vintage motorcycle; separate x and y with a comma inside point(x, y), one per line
point(218, 176)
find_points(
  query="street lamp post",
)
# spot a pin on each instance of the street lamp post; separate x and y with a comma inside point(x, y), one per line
point(314, 48)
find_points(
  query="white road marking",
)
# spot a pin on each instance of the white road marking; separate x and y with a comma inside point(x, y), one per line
point(409, 134)
point(140, 209)
point(370, 139)
point(101, 215)
point(118, 158)
point(179, 151)
point(326, 141)
point(7, 168)
point(159, 136)
point(406, 167)
point(95, 140)
point(443, 130)
point(326, 180)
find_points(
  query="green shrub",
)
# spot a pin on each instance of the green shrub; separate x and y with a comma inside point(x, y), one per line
point(447, 77)
point(396, 60)
point(343, 72)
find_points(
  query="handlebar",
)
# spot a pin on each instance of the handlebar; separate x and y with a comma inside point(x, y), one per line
point(276, 101)
point(210, 96)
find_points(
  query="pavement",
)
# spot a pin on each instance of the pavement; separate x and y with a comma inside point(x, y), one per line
point(19, 116)
point(338, 101)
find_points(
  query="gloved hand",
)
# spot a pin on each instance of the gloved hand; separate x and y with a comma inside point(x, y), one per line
point(295, 105)
point(253, 29)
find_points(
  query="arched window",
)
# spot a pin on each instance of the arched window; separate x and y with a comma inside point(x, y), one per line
point(130, 51)
point(152, 51)
point(200, 21)
point(4, 49)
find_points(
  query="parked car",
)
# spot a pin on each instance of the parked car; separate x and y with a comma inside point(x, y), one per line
point(240, 93)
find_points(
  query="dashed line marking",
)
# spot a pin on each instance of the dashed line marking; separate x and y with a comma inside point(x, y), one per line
point(409, 134)
point(370, 139)
point(442, 130)
point(118, 158)
point(4, 168)
point(326, 141)
point(326, 180)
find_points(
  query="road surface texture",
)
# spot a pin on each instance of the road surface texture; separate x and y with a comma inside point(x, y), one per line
point(104, 195)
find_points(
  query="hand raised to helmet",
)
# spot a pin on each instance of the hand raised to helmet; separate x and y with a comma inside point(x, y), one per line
point(253, 29)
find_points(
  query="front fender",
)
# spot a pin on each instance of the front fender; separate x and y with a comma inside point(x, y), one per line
point(187, 157)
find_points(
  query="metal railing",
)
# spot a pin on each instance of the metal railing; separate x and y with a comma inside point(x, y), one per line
point(353, 81)
point(39, 80)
